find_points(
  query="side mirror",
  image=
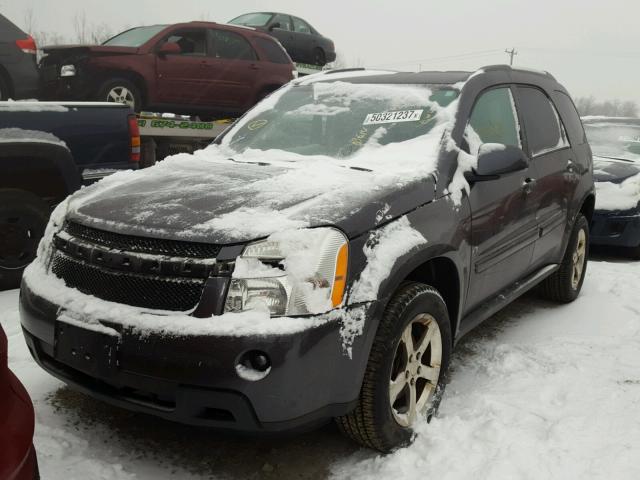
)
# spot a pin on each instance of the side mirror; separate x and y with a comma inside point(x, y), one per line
point(275, 25)
point(496, 159)
point(170, 48)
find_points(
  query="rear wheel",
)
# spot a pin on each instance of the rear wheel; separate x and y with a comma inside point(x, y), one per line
point(23, 218)
point(121, 90)
point(565, 284)
point(405, 374)
point(4, 89)
point(319, 57)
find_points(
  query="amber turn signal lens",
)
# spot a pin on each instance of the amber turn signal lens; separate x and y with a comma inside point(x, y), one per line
point(340, 278)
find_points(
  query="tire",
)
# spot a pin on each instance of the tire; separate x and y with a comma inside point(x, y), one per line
point(121, 90)
point(634, 253)
point(23, 218)
point(565, 284)
point(4, 89)
point(377, 422)
point(319, 57)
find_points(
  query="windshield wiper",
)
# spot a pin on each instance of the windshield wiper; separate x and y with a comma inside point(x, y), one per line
point(262, 164)
point(617, 158)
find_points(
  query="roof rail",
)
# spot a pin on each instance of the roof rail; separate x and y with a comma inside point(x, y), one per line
point(509, 68)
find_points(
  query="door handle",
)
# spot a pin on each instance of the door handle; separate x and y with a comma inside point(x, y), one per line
point(528, 185)
point(571, 168)
point(253, 66)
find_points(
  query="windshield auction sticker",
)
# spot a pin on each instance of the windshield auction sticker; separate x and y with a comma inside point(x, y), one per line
point(393, 117)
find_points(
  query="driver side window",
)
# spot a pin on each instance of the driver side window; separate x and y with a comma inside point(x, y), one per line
point(191, 42)
point(493, 120)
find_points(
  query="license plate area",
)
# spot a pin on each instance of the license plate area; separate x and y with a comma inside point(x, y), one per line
point(91, 351)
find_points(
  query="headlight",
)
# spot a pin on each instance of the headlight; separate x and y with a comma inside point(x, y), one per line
point(297, 273)
point(68, 71)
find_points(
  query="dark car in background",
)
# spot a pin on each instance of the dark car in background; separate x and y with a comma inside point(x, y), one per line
point(616, 147)
point(321, 259)
point(18, 459)
point(18, 68)
point(303, 42)
point(47, 151)
point(197, 67)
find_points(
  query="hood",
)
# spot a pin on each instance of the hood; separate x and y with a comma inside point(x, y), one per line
point(224, 201)
point(613, 170)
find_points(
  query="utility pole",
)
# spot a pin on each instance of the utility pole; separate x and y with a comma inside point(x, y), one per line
point(513, 52)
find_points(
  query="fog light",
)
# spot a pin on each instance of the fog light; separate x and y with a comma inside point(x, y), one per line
point(68, 71)
point(253, 365)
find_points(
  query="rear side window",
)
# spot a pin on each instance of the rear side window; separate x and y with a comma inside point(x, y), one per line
point(274, 52)
point(545, 132)
point(570, 117)
point(493, 120)
point(300, 25)
point(283, 20)
point(231, 46)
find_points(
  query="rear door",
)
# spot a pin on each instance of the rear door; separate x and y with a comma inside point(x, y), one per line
point(284, 32)
point(183, 79)
point(234, 70)
point(503, 225)
point(556, 176)
point(305, 40)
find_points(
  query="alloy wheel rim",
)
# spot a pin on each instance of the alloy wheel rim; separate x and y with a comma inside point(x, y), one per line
point(415, 370)
point(121, 95)
point(579, 256)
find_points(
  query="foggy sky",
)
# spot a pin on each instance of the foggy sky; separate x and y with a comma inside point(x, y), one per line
point(591, 46)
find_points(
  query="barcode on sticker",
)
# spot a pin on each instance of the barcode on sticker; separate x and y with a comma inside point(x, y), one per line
point(393, 117)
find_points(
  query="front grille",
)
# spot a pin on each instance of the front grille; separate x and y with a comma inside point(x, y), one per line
point(155, 292)
point(130, 243)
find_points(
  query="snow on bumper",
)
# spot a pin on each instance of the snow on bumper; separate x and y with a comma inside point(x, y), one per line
point(184, 368)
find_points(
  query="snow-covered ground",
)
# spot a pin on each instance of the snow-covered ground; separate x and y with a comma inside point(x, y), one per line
point(539, 391)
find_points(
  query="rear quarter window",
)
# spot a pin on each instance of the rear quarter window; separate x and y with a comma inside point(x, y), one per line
point(273, 52)
point(570, 117)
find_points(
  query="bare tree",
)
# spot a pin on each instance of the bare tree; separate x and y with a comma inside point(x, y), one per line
point(610, 108)
point(80, 27)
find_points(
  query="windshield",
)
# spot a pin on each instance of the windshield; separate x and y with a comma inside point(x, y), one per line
point(339, 119)
point(614, 140)
point(135, 37)
point(252, 19)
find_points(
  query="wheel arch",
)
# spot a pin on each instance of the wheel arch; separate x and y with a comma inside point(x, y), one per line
point(46, 170)
point(437, 266)
point(588, 206)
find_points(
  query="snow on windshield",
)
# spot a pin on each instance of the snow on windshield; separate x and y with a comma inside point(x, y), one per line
point(288, 189)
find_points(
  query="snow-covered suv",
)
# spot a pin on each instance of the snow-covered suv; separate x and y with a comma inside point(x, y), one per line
point(323, 257)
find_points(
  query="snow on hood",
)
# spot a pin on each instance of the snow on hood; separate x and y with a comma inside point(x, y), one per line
point(220, 195)
point(618, 196)
point(613, 170)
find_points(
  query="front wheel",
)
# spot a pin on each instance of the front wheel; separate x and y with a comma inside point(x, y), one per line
point(405, 374)
point(120, 90)
point(23, 218)
point(565, 284)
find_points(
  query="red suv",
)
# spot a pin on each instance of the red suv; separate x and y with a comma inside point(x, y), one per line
point(194, 67)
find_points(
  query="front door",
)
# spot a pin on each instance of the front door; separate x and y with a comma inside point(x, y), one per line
point(503, 225)
point(183, 78)
point(557, 179)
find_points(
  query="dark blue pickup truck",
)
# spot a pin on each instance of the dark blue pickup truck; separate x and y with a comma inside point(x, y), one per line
point(47, 151)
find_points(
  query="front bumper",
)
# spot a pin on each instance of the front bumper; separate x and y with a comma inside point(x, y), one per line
point(193, 379)
point(615, 229)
